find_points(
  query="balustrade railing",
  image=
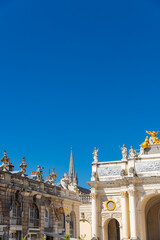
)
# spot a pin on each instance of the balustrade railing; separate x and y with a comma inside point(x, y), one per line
point(85, 198)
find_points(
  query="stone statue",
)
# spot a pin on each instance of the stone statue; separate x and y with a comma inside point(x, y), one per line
point(141, 151)
point(132, 153)
point(95, 154)
point(64, 181)
point(39, 173)
point(74, 183)
point(124, 152)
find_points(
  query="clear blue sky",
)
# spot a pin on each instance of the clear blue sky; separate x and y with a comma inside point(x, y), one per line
point(85, 73)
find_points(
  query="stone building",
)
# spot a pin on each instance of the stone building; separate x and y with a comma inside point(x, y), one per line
point(125, 195)
point(33, 207)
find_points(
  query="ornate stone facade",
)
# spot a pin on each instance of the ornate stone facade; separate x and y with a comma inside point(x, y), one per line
point(126, 203)
point(33, 207)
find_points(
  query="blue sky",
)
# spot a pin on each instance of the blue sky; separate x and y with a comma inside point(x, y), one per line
point(85, 73)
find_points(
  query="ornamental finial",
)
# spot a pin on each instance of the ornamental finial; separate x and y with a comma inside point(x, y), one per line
point(52, 176)
point(5, 161)
point(23, 167)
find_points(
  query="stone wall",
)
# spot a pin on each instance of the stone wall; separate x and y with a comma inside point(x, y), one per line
point(18, 194)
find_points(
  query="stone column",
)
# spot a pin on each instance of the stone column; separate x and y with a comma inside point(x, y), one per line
point(132, 209)
point(94, 215)
point(124, 215)
point(42, 209)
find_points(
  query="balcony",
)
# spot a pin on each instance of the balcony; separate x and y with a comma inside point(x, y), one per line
point(33, 223)
point(15, 220)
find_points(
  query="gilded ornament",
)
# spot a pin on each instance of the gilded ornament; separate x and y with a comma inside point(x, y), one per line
point(150, 141)
point(145, 144)
point(110, 205)
point(154, 137)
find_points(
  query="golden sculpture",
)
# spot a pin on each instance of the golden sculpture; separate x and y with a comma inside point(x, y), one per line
point(150, 141)
point(154, 137)
point(145, 144)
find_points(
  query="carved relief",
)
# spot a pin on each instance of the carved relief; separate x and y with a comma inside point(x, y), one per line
point(147, 166)
point(123, 173)
point(109, 171)
point(111, 215)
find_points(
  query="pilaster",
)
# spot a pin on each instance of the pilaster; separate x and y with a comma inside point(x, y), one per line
point(132, 209)
point(94, 214)
point(125, 218)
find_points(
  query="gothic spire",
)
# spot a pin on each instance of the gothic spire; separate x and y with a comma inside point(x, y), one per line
point(71, 168)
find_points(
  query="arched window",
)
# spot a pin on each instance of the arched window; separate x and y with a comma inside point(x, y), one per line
point(46, 218)
point(61, 223)
point(72, 224)
point(15, 218)
point(33, 216)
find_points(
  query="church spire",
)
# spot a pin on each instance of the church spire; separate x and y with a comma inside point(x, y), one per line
point(71, 168)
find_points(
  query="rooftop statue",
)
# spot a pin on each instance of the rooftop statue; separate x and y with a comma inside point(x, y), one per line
point(64, 181)
point(132, 153)
point(39, 173)
point(145, 144)
point(95, 154)
point(124, 152)
point(150, 141)
point(153, 139)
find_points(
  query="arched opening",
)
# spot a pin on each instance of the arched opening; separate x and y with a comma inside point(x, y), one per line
point(61, 223)
point(15, 213)
point(33, 216)
point(72, 224)
point(152, 215)
point(111, 230)
point(85, 229)
point(15, 219)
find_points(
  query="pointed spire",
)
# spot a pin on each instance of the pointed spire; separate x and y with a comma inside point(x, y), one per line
point(71, 168)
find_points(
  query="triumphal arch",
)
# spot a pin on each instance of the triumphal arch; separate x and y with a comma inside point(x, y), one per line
point(125, 195)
